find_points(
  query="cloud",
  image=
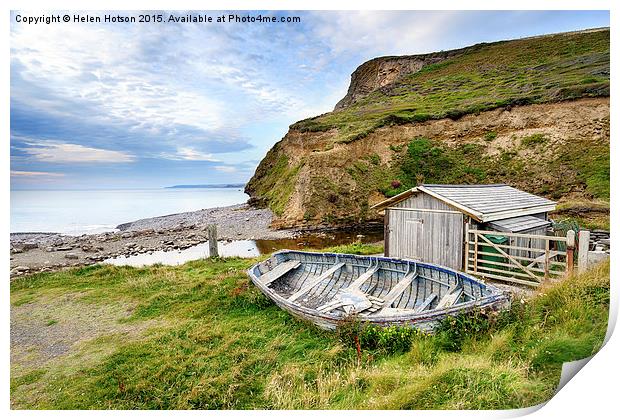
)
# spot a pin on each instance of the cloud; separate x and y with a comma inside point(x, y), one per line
point(382, 32)
point(32, 174)
point(227, 169)
point(152, 77)
point(174, 92)
point(53, 152)
point(187, 153)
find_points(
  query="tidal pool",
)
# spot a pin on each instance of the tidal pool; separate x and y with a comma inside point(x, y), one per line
point(245, 248)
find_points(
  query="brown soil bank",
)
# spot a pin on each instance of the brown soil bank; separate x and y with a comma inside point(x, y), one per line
point(533, 113)
point(557, 150)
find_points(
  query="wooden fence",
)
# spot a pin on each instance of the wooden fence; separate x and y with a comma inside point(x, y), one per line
point(543, 257)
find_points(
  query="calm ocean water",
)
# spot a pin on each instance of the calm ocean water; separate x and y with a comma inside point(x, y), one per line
point(77, 212)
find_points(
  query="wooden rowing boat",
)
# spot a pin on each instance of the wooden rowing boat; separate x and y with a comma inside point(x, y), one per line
point(326, 288)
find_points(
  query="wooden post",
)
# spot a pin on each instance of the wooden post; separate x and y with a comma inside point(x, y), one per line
point(475, 252)
point(570, 251)
point(386, 233)
point(584, 248)
point(213, 241)
point(546, 259)
point(467, 247)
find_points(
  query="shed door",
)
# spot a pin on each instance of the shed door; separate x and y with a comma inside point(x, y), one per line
point(428, 236)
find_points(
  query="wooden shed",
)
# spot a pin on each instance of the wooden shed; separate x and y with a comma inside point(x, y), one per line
point(427, 223)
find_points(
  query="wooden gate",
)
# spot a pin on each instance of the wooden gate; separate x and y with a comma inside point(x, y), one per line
point(546, 256)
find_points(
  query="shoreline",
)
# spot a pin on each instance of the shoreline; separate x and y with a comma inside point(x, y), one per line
point(33, 252)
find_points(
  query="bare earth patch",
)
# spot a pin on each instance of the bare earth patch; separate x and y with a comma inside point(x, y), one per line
point(45, 331)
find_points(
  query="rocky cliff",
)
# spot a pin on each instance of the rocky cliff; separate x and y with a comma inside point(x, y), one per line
point(533, 113)
point(379, 72)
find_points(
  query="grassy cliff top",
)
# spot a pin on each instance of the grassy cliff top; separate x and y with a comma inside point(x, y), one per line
point(526, 71)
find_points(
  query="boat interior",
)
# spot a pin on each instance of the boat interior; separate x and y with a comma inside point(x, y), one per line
point(364, 284)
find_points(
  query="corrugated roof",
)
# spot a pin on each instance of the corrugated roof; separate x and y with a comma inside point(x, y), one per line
point(484, 203)
point(519, 224)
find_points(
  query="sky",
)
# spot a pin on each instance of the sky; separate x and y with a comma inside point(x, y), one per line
point(152, 105)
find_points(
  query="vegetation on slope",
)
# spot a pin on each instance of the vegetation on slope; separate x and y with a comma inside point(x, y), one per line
point(337, 162)
point(276, 181)
point(433, 161)
point(217, 342)
point(519, 72)
point(555, 171)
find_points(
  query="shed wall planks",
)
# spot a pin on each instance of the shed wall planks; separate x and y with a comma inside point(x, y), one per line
point(435, 238)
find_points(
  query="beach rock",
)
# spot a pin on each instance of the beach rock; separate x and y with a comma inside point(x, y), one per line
point(57, 242)
point(16, 250)
point(71, 256)
point(29, 245)
point(126, 235)
point(64, 248)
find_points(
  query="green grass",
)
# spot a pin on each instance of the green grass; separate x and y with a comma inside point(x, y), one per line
point(584, 214)
point(490, 135)
point(533, 140)
point(485, 77)
point(433, 161)
point(356, 248)
point(278, 187)
point(220, 344)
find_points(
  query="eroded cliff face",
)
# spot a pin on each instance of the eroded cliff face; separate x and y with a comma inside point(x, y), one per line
point(382, 71)
point(549, 149)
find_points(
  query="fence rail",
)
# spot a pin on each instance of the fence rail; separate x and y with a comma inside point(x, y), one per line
point(543, 258)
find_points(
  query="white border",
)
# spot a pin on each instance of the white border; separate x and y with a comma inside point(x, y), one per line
point(592, 394)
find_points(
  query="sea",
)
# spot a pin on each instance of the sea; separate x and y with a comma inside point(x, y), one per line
point(77, 212)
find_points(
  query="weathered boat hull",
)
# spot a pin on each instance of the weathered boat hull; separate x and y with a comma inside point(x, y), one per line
point(327, 288)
